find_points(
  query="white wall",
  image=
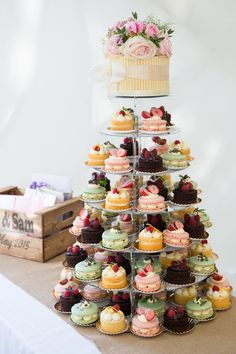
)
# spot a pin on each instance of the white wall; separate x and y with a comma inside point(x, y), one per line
point(50, 114)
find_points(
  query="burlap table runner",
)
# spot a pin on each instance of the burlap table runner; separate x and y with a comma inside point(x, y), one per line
point(215, 337)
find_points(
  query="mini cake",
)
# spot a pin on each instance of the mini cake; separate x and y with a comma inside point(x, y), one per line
point(117, 161)
point(93, 293)
point(130, 145)
point(150, 239)
point(219, 297)
point(175, 235)
point(166, 258)
point(123, 119)
point(97, 155)
point(93, 191)
point(199, 309)
point(174, 159)
point(92, 232)
point(161, 145)
point(112, 320)
point(62, 285)
point(74, 255)
point(114, 277)
point(121, 261)
point(201, 264)
point(126, 184)
point(161, 184)
point(125, 223)
point(152, 121)
point(145, 260)
point(101, 255)
point(147, 280)
point(202, 247)
point(157, 221)
point(194, 183)
point(150, 200)
point(123, 300)
point(194, 227)
point(89, 269)
point(204, 217)
point(219, 280)
point(182, 146)
point(183, 295)
point(145, 323)
point(80, 221)
point(69, 297)
point(176, 320)
point(117, 200)
point(151, 303)
point(179, 273)
point(184, 193)
point(132, 45)
point(150, 161)
point(115, 239)
point(84, 313)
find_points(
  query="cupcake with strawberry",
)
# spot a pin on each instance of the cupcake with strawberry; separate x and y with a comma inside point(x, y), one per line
point(147, 280)
point(184, 192)
point(92, 232)
point(161, 184)
point(150, 200)
point(194, 226)
point(117, 161)
point(175, 235)
point(69, 297)
point(161, 145)
point(219, 297)
point(150, 239)
point(219, 280)
point(121, 261)
point(150, 161)
point(152, 121)
point(157, 221)
point(176, 319)
point(123, 120)
point(123, 300)
point(130, 145)
point(74, 255)
point(145, 323)
point(97, 155)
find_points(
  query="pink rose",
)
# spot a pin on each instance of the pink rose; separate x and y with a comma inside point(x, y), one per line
point(118, 25)
point(165, 47)
point(152, 30)
point(134, 27)
point(113, 45)
point(139, 48)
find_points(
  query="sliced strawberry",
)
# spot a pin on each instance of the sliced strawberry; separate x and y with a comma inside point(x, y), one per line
point(156, 139)
point(83, 214)
point(63, 281)
point(216, 288)
point(139, 311)
point(178, 224)
point(192, 222)
point(197, 218)
point(115, 298)
point(86, 222)
point(217, 277)
point(76, 291)
point(185, 188)
point(147, 154)
point(116, 307)
point(125, 296)
point(95, 224)
point(143, 192)
point(122, 113)
point(115, 191)
point(156, 112)
point(153, 189)
point(149, 268)
point(141, 273)
point(145, 114)
point(186, 217)
point(171, 227)
point(69, 248)
point(119, 259)
point(162, 141)
point(115, 268)
point(75, 249)
point(96, 148)
point(204, 242)
point(66, 293)
point(149, 314)
point(112, 152)
point(126, 217)
point(150, 228)
point(121, 153)
point(110, 259)
point(171, 313)
point(180, 309)
point(177, 142)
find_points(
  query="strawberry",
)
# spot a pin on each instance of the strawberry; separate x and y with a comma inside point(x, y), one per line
point(197, 218)
point(204, 242)
point(148, 268)
point(186, 217)
point(95, 224)
point(115, 268)
point(127, 140)
point(69, 248)
point(125, 296)
point(162, 108)
point(129, 184)
point(178, 224)
point(185, 188)
point(96, 148)
point(116, 307)
point(126, 217)
point(159, 183)
point(149, 314)
point(122, 113)
point(141, 273)
point(171, 227)
point(216, 288)
point(171, 313)
point(192, 222)
point(180, 309)
point(115, 298)
point(83, 214)
point(121, 153)
point(112, 152)
point(156, 112)
point(145, 114)
point(75, 249)
point(143, 192)
point(217, 277)
point(76, 291)
point(177, 142)
point(64, 281)
point(119, 259)
point(150, 228)
point(115, 191)
point(162, 141)
point(66, 293)
point(86, 222)
point(147, 154)
point(153, 189)
point(110, 259)
point(156, 139)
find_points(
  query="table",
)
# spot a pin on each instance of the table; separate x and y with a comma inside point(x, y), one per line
point(215, 337)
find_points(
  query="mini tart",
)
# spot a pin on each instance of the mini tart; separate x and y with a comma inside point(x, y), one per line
point(94, 192)
point(120, 200)
point(117, 164)
point(201, 264)
point(202, 247)
point(219, 280)
point(150, 241)
point(112, 320)
point(174, 159)
point(152, 303)
point(143, 261)
point(97, 155)
point(89, 269)
point(219, 298)
point(115, 239)
point(145, 327)
point(114, 279)
point(147, 282)
point(183, 295)
point(84, 313)
point(166, 258)
point(93, 293)
point(199, 309)
point(122, 120)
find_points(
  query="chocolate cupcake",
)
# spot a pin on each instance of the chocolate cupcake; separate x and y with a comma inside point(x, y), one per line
point(70, 297)
point(184, 193)
point(74, 255)
point(121, 261)
point(123, 300)
point(160, 184)
point(194, 226)
point(130, 145)
point(179, 273)
point(176, 319)
point(92, 232)
point(149, 161)
point(156, 221)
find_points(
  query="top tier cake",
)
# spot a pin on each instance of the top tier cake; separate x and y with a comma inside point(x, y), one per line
point(138, 57)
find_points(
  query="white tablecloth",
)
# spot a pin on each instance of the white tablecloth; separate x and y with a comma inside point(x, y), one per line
point(28, 327)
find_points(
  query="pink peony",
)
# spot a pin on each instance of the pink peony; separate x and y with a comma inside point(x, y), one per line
point(118, 25)
point(112, 45)
point(165, 47)
point(152, 30)
point(134, 27)
point(139, 48)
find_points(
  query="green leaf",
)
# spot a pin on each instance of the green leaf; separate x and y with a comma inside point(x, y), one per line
point(135, 16)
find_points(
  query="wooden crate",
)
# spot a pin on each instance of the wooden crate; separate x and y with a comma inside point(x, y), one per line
point(38, 236)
